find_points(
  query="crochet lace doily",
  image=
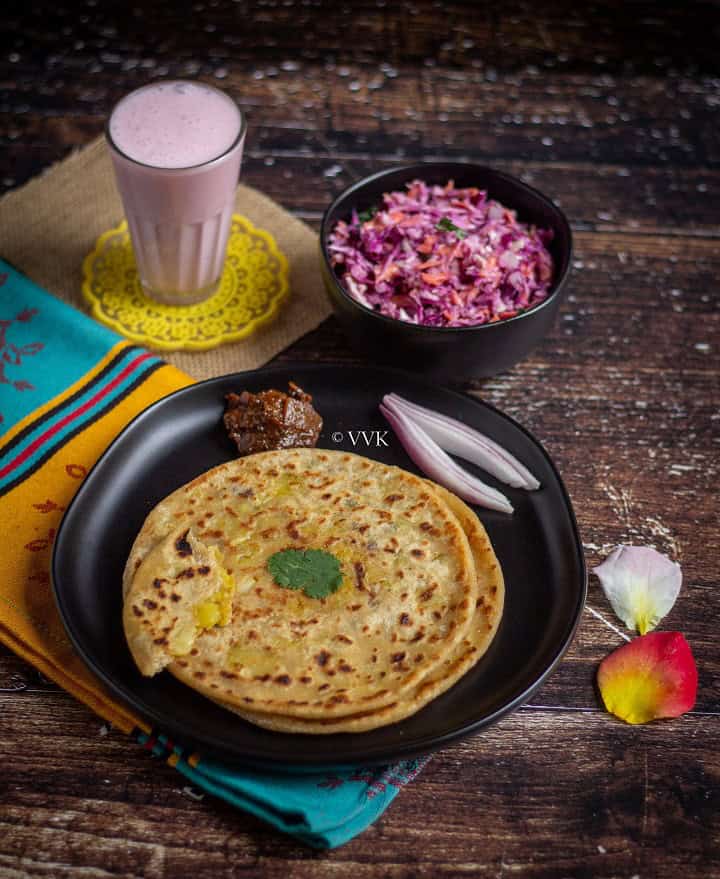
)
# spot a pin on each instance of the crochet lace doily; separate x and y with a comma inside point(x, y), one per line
point(253, 286)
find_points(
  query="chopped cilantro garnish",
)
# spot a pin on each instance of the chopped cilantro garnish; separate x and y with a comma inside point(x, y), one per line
point(447, 225)
point(364, 216)
point(314, 571)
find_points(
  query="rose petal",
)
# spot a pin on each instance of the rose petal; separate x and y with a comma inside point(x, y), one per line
point(651, 677)
point(641, 585)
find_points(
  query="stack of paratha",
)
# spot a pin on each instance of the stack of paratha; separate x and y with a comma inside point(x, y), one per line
point(419, 603)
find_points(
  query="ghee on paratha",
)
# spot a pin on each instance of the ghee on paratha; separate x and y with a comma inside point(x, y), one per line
point(484, 625)
point(200, 601)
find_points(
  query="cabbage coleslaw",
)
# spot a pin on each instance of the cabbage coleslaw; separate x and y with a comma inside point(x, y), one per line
point(442, 256)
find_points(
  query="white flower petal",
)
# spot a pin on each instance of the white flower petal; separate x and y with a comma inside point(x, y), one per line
point(641, 584)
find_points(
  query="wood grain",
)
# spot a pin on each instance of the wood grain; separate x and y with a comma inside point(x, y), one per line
point(613, 112)
point(499, 803)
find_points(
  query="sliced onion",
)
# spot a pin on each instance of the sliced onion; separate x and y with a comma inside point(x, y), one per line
point(431, 459)
point(465, 442)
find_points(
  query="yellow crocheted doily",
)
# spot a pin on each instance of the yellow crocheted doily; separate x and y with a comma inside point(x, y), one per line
point(254, 284)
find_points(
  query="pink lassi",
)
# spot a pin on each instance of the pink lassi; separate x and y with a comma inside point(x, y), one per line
point(176, 148)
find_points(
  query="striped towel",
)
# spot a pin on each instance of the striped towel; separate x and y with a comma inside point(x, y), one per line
point(67, 388)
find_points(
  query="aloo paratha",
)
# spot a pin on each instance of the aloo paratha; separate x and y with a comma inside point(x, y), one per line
point(200, 601)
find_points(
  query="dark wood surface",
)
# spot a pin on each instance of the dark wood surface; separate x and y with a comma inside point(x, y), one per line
point(612, 109)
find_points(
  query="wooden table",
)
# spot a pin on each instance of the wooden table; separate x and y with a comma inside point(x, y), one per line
point(612, 110)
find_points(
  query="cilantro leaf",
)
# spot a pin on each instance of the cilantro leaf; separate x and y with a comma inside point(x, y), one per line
point(364, 216)
point(447, 225)
point(314, 571)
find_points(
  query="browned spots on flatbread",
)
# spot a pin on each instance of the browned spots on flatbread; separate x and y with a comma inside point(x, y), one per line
point(292, 530)
point(216, 534)
point(322, 658)
point(394, 543)
point(182, 546)
point(359, 569)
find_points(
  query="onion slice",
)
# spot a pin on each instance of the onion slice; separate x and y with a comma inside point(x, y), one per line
point(431, 459)
point(465, 442)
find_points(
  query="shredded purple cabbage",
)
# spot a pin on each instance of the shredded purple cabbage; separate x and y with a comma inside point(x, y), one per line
point(441, 256)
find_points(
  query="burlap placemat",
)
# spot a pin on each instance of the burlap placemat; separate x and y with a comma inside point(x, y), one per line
point(49, 225)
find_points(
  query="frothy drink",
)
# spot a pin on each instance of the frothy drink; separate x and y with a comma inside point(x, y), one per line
point(176, 148)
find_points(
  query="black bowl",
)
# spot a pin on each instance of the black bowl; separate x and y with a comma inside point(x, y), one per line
point(448, 352)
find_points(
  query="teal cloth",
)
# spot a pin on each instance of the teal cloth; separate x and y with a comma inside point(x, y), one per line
point(323, 810)
point(45, 345)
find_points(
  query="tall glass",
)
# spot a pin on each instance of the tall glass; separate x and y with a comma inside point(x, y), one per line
point(176, 148)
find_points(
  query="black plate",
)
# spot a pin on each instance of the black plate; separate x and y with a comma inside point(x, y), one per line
point(182, 435)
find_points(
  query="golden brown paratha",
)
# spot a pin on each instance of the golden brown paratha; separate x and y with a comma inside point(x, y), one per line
point(200, 601)
point(488, 612)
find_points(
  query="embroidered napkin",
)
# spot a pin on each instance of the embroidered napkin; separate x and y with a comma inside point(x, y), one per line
point(67, 387)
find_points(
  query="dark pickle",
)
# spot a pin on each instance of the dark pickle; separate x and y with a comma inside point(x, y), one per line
point(271, 420)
